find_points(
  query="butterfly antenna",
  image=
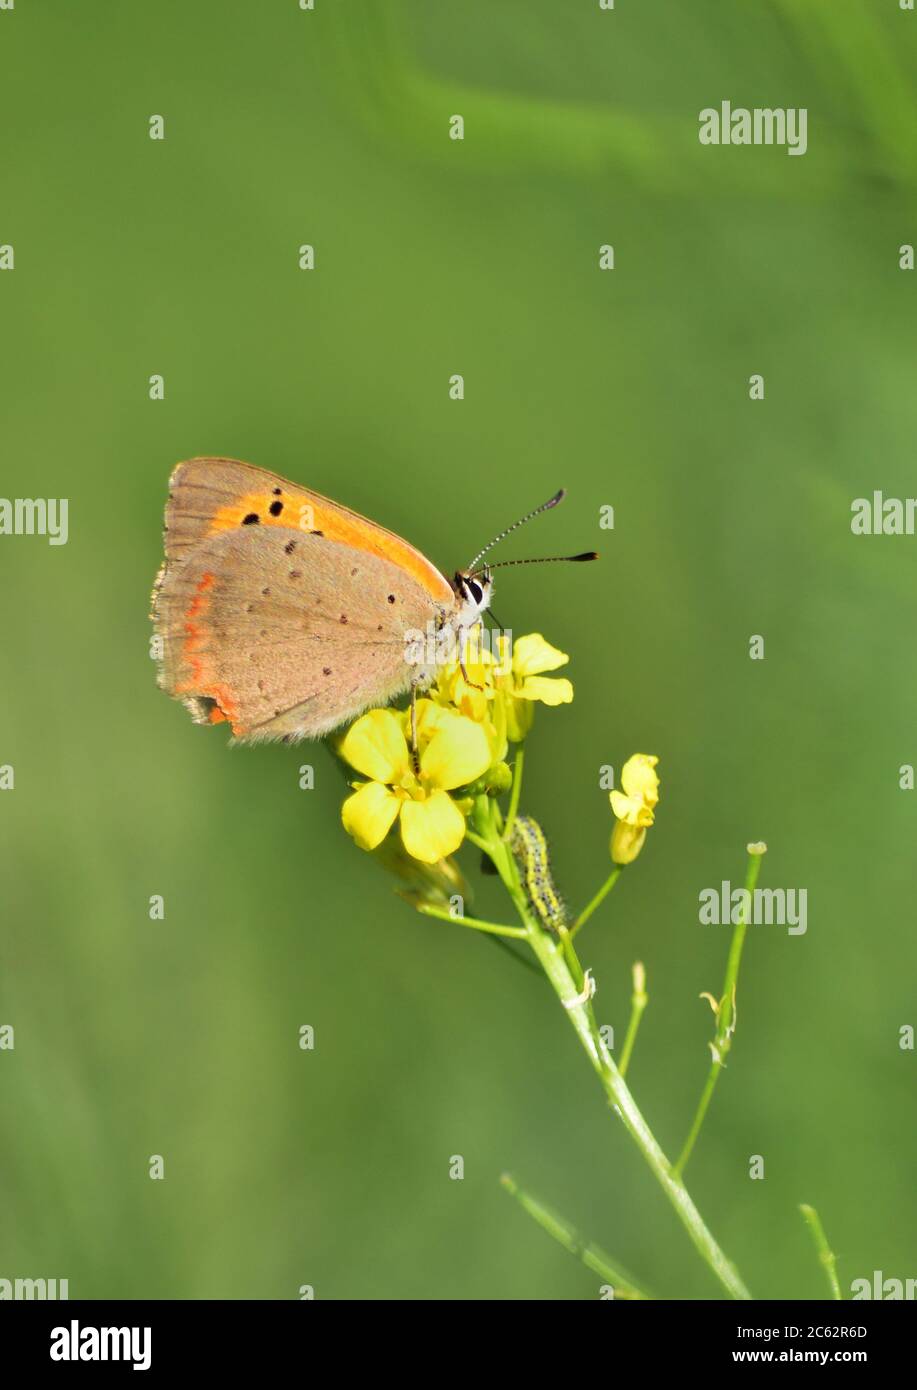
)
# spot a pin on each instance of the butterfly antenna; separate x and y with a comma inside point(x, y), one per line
point(545, 507)
point(540, 560)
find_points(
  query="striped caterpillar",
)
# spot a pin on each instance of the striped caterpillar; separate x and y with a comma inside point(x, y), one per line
point(530, 850)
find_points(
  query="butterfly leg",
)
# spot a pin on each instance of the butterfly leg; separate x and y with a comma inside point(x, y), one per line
point(466, 678)
point(463, 640)
point(415, 756)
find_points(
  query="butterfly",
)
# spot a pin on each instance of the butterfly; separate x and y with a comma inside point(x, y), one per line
point(285, 614)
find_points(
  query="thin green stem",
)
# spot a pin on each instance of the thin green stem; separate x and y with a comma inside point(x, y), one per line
point(515, 791)
point(597, 901)
point(726, 1008)
point(494, 928)
point(825, 1254)
point(699, 1117)
point(638, 1002)
point(577, 1006)
point(619, 1096)
point(576, 969)
point(589, 1254)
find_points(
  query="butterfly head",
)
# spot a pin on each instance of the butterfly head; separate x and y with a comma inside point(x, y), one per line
point(473, 593)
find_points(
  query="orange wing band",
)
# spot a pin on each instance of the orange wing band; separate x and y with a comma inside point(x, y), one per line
point(195, 638)
point(299, 512)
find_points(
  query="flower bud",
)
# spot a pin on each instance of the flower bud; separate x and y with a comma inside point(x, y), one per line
point(499, 779)
point(634, 807)
point(626, 842)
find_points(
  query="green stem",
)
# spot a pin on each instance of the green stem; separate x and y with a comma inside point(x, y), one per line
point(638, 1002)
point(477, 840)
point(555, 968)
point(825, 1253)
point(494, 928)
point(592, 1256)
point(576, 970)
point(550, 954)
point(515, 791)
point(597, 901)
point(725, 1010)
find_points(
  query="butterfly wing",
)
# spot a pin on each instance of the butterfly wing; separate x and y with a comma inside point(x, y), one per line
point(283, 631)
point(208, 496)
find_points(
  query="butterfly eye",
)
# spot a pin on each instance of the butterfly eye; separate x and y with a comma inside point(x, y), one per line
point(474, 589)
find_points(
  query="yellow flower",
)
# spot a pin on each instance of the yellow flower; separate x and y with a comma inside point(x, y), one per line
point(525, 682)
point(452, 751)
point(634, 807)
point(476, 696)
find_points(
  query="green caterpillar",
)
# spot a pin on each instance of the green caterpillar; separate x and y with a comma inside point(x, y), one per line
point(530, 850)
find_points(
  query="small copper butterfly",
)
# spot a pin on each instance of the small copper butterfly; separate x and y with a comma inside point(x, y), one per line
point(285, 614)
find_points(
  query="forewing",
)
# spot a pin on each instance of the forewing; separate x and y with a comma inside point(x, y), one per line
point(285, 634)
point(211, 496)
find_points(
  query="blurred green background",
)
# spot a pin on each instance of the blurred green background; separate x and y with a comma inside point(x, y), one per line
point(630, 388)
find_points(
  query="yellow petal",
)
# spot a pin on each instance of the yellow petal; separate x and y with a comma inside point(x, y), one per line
point(475, 652)
point(430, 717)
point(471, 703)
point(631, 809)
point(447, 677)
point(639, 778)
point(375, 745)
point(495, 727)
point(532, 655)
point(433, 828)
point(519, 717)
point(457, 753)
point(550, 691)
point(369, 813)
